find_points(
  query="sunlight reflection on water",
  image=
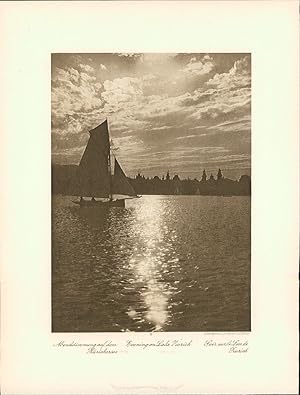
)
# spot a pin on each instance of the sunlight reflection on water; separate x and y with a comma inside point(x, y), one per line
point(148, 268)
point(164, 263)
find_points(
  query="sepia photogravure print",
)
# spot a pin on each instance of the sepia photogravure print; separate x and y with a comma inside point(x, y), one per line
point(151, 192)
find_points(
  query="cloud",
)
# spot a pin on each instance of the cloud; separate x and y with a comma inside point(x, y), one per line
point(121, 93)
point(190, 136)
point(237, 77)
point(127, 86)
point(238, 125)
point(74, 94)
point(123, 123)
point(165, 127)
point(224, 95)
point(164, 110)
point(196, 68)
point(198, 96)
point(157, 58)
point(230, 158)
point(86, 68)
point(128, 55)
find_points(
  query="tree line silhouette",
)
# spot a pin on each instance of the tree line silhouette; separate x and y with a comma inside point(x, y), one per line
point(166, 185)
point(65, 181)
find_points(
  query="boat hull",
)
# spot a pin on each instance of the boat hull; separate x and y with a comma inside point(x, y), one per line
point(101, 204)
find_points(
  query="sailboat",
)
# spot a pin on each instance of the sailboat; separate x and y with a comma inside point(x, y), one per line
point(95, 173)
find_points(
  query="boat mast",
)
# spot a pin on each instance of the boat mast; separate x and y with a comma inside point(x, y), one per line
point(109, 166)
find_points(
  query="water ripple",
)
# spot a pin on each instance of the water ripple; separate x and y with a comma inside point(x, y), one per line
point(165, 263)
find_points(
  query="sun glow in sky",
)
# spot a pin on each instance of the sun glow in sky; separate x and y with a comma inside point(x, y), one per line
point(177, 112)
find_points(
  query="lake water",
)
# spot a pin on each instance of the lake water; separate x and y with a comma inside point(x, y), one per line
point(166, 263)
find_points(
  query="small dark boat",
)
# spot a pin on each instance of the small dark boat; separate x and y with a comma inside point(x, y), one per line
point(97, 178)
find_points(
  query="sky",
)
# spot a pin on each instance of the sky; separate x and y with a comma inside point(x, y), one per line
point(180, 113)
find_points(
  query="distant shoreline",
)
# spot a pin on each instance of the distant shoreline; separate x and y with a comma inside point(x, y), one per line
point(149, 194)
point(65, 182)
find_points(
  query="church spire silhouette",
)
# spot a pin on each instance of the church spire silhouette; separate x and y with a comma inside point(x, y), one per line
point(219, 175)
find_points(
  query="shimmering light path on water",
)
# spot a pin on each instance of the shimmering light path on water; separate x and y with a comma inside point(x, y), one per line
point(170, 263)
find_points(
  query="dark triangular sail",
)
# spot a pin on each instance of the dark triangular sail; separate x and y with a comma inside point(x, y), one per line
point(94, 172)
point(121, 185)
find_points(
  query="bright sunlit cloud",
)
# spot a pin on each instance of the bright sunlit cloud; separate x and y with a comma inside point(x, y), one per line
point(155, 103)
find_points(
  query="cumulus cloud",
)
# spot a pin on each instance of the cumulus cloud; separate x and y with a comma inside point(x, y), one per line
point(74, 93)
point(224, 95)
point(86, 68)
point(121, 89)
point(237, 77)
point(163, 109)
point(199, 67)
point(128, 55)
